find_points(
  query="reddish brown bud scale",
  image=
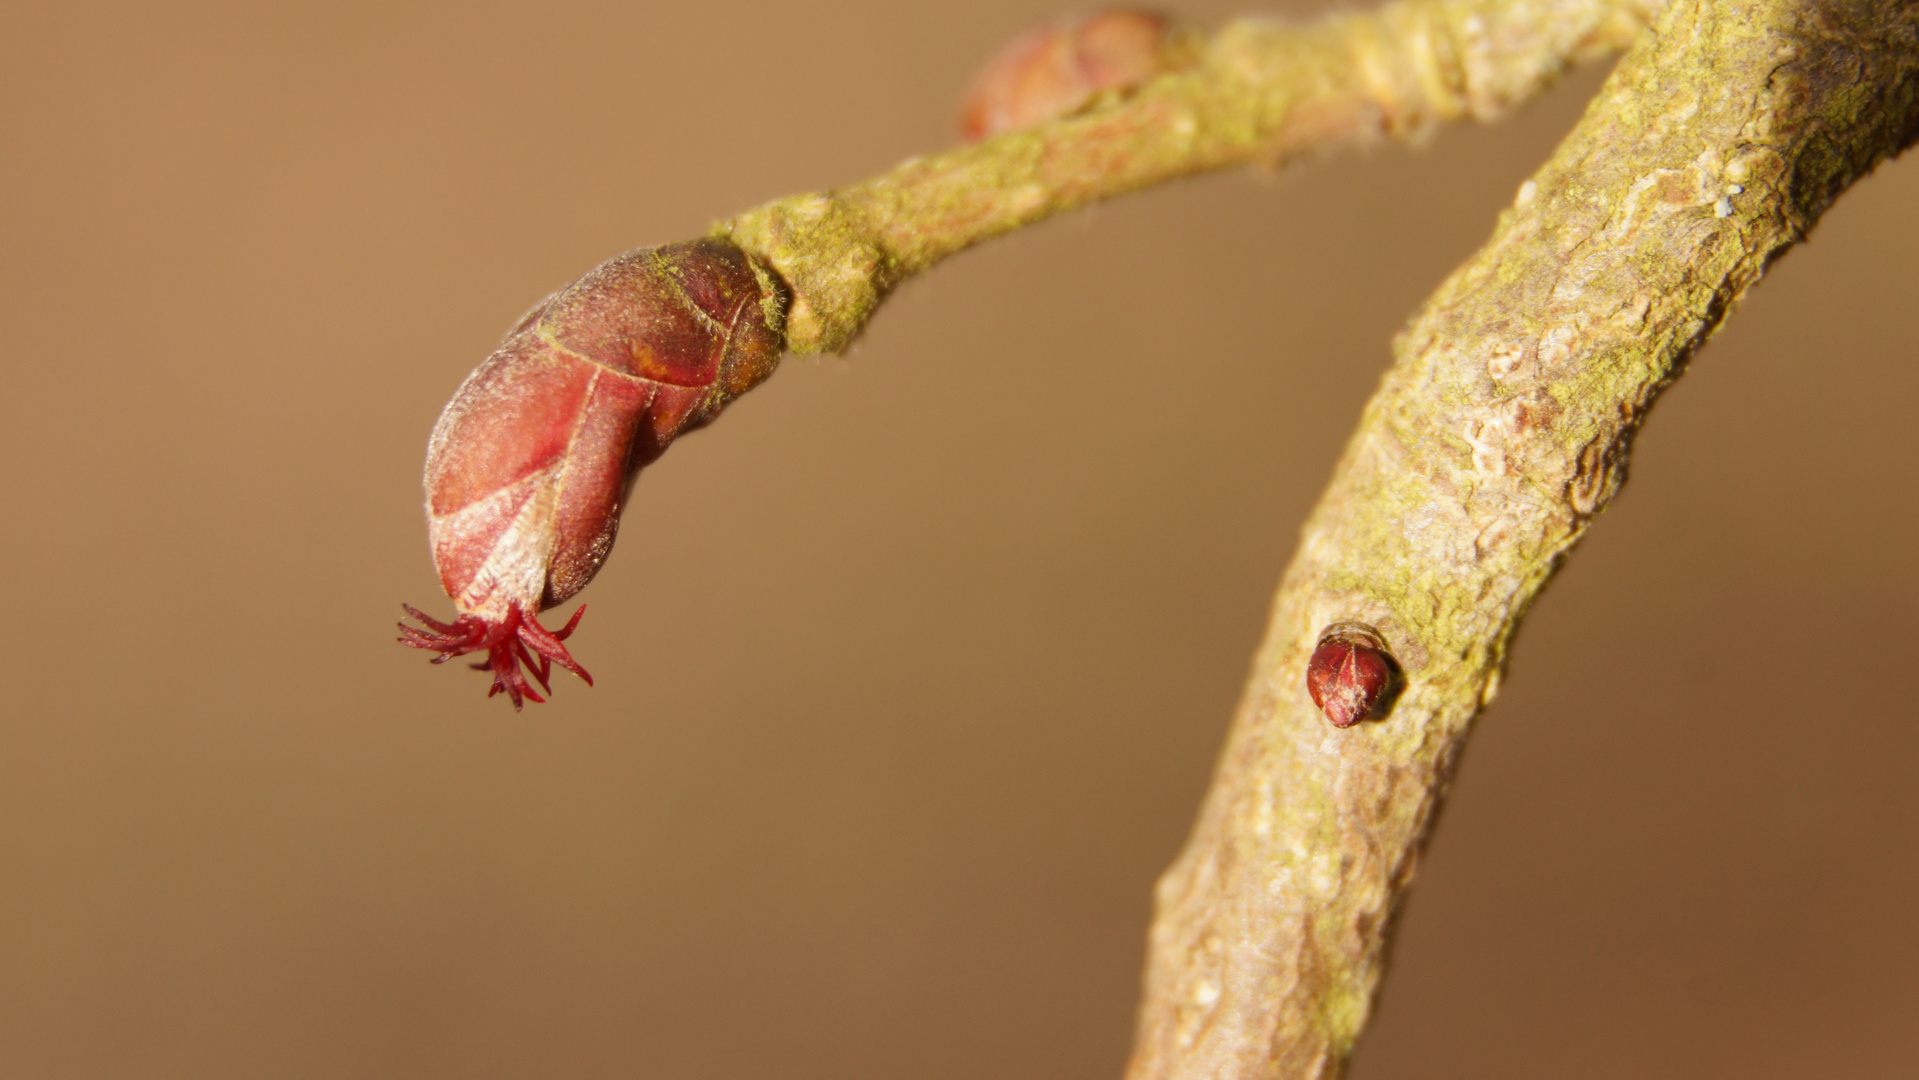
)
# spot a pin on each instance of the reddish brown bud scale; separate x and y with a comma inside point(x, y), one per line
point(1352, 677)
point(531, 462)
point(1057, 68)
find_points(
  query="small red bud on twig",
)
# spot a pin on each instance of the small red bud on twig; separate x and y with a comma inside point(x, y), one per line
point(1351, 675)
point(1055, 69)
point(531, 462)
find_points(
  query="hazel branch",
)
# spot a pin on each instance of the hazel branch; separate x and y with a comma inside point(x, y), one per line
point(1502, 429)
point(1257, 91)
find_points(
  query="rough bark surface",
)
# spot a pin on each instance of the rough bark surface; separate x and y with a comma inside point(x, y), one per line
point(1259, 90)
point(1499, 433)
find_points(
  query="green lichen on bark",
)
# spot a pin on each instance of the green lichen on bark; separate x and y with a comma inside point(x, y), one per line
point(1502, 429)
point(1259, 90)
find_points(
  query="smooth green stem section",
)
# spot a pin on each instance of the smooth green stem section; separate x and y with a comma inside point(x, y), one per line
point(1259, 90)
point(1501, 430)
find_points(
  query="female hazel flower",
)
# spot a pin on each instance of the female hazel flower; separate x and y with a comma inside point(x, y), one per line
point(531, 462)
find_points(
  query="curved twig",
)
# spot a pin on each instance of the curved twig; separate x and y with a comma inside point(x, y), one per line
point(1260, 90)
point(1500, 432)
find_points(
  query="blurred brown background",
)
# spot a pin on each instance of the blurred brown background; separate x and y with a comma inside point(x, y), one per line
point(878, 786)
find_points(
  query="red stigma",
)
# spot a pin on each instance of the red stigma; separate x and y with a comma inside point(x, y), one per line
point(516, 640)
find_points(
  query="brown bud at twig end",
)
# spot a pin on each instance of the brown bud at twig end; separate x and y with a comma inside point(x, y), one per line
point(1055, 69)
point(1352, 676)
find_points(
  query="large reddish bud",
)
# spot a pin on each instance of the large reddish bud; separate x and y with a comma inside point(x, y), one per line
point(531, 462)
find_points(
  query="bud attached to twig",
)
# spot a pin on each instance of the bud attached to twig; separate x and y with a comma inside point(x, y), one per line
point(1351, 675)
point(1057, 68)
point(531, 462)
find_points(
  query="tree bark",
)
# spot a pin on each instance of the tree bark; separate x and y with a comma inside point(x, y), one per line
point(1500, 432)
point(1258, 91)
point(1502, 429)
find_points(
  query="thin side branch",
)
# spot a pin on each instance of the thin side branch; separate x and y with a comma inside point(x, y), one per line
point(1502, 429)
point(1258, 91)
